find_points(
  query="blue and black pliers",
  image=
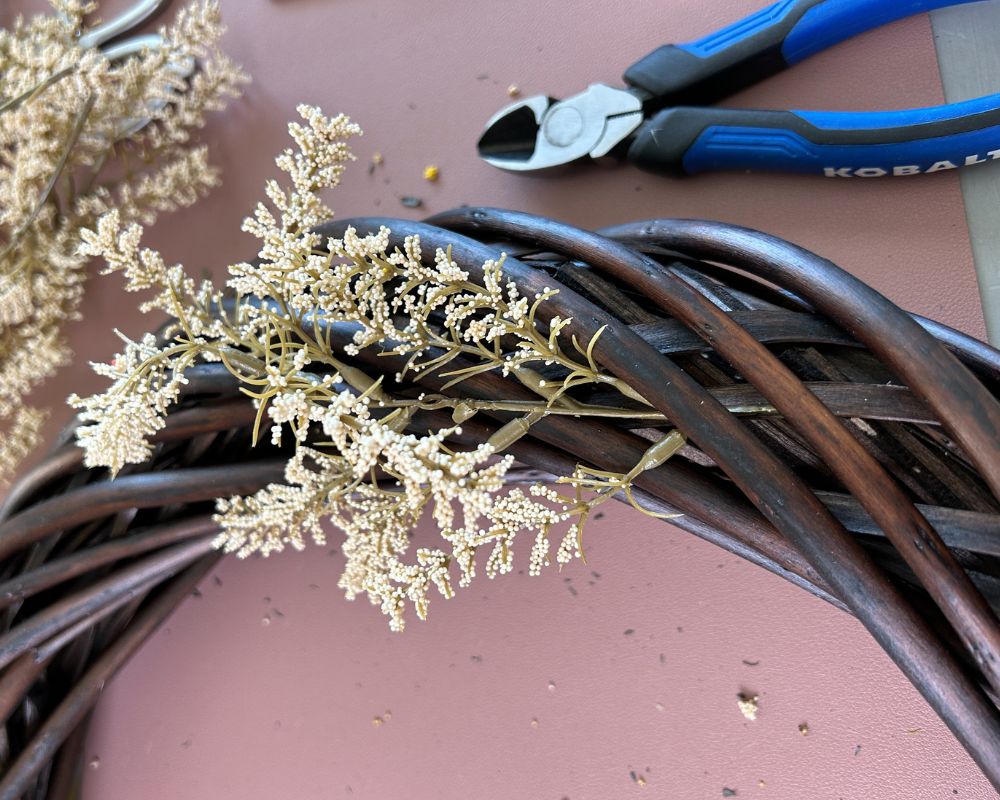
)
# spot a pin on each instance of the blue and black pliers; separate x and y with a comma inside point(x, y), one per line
point(661, 121)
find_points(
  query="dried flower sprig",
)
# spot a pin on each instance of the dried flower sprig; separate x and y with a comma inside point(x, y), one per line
point(82, 133)
point(356, 464)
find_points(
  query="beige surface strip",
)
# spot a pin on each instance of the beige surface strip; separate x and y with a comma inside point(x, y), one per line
point(967, 39)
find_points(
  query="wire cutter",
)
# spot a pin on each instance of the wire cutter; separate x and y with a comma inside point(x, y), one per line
point(661, 120)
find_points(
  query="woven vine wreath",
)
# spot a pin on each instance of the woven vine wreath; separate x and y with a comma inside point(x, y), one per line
point(363, 371)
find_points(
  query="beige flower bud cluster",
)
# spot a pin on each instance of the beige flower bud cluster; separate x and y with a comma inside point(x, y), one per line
point(358, 465)
point(80, 135)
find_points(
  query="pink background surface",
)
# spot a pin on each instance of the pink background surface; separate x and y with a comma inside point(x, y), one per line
point(221, 705)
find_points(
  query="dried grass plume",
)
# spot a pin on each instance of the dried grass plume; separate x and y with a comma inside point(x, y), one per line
point(83, 132)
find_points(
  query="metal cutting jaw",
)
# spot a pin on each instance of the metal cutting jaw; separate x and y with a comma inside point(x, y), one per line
point(540, 132)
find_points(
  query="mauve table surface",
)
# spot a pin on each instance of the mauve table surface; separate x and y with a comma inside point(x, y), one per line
point(609, 679)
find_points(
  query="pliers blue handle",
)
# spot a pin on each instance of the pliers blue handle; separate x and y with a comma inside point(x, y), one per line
point(662, 120)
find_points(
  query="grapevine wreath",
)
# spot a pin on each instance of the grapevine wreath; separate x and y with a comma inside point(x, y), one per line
point(507, 374)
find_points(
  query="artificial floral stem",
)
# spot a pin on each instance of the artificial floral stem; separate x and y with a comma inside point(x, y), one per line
point(80, 121)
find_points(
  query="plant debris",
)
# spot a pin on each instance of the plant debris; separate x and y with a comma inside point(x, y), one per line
point(804, 729)
point(748, 705)
point(431, 173)
point(411, 202)
point(727, 792)
point(513, 90)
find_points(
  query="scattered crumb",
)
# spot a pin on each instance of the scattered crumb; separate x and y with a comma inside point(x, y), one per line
point(864, 426)
point(640, 780)
point(660, 706)
point(534, 722)
point(804, 729)
point(912, 731)
point(727, 792)
point(411, 202)
point(377, 159)
point(431, 173)
point(552, 686)
point(761, 784)
point(387, 716)
point(751, 663)
point(95, 762)
point(513, 90)
point(599, 515)
point(265, 620)
point(629, 631)
point(476, 659)
point(857, 749)
point(377, 722)
point(748, 705)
